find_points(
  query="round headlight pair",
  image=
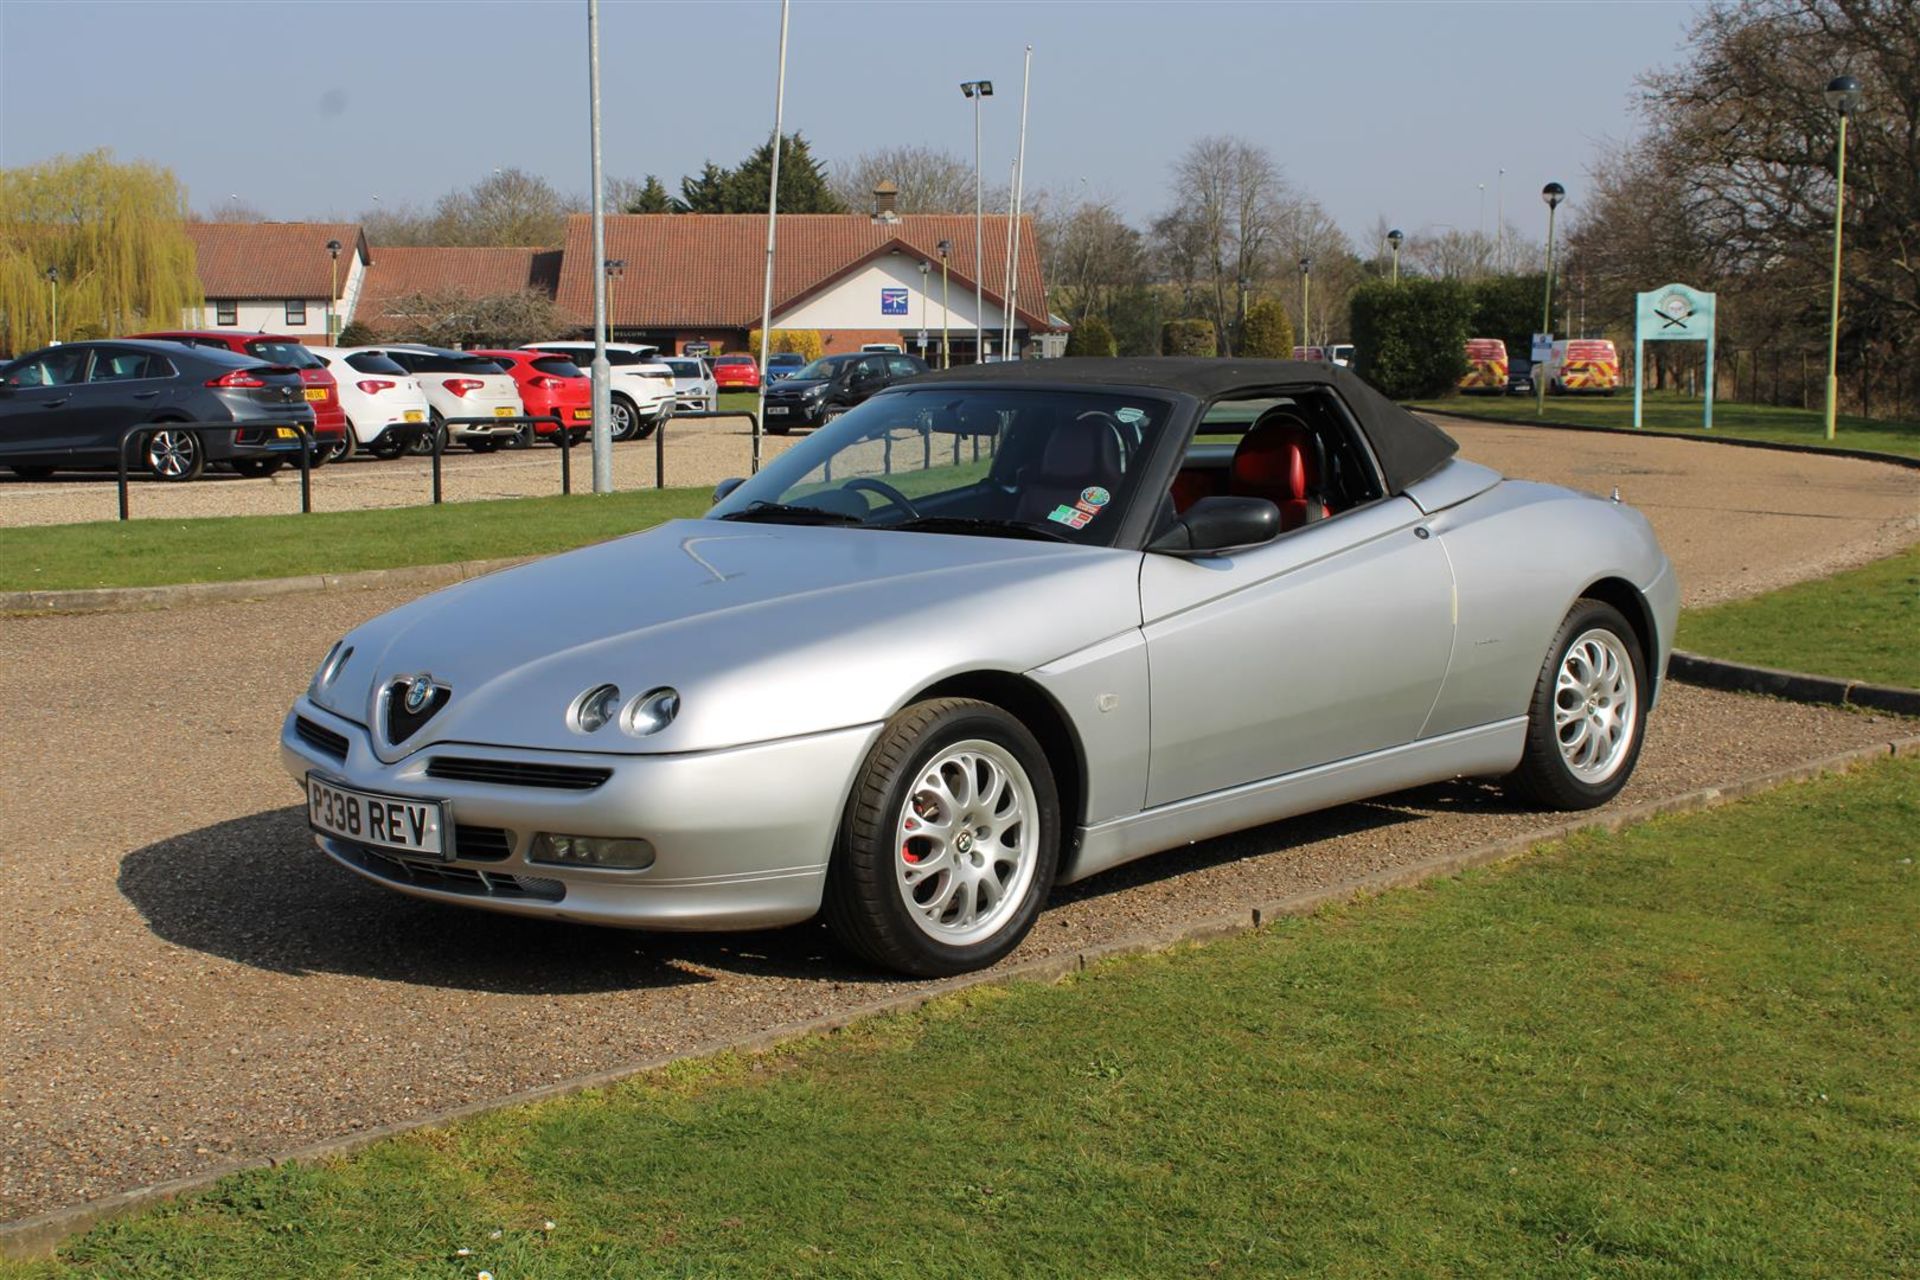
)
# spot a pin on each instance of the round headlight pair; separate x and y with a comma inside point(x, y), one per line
point(649, 713)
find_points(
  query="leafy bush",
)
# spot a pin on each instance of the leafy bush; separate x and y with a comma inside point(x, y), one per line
point(358, 334)
point(1268, 332)
point(1092, 337)
point(1508, 308)
point(804, 342)
point(1188, 338)
point(1410, 339)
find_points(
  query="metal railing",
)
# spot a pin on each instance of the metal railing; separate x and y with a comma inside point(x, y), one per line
point(196, 428)
point(660, 436)
point(528, 423)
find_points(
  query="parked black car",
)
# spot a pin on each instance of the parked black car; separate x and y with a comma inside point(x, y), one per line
point(1519, 378)
point(832, 385)
point(66, 408)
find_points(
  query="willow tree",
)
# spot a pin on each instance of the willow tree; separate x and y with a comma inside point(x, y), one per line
point(114, 234)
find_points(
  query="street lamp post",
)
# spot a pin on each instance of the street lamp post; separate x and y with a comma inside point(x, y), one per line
point(1394, 238)
point(1843, 95)
point(53, 285)
point(926, 273)
point(978, 90)
point(946, 314)
point(1553, 193)
point(1306, 322)
point(333, 288)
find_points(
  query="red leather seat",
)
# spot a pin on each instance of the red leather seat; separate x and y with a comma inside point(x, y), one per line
point(1079, 453)
point(1193, 484)
point(1281, 460)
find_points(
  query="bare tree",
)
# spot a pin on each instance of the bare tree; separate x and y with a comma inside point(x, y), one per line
point(930, 181)
point(1229, 195)
point(453, 319)
point(1092, 255)
point(234, 210)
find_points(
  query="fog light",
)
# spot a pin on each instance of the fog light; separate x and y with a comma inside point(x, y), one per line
point(591, 851)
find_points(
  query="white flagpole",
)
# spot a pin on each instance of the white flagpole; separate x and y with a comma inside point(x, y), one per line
point(602, 373)
point(1019, 191)
point(773, 221)
point(1006, 263)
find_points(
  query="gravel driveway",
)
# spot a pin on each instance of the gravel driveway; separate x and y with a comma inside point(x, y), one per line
point(185, 980)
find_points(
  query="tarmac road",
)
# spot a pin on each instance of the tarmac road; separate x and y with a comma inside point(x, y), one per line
point(185, 980)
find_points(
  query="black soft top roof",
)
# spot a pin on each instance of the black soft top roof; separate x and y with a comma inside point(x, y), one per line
point(1408, 448)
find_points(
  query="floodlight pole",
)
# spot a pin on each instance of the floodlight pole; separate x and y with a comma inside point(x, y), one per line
point(602, 372)
point(976, 90)
point(773, 222)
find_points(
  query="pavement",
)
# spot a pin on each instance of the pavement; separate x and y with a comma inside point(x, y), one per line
point(187, 982)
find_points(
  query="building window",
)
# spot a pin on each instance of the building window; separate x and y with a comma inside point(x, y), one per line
point(297, 312)
point(226, 313)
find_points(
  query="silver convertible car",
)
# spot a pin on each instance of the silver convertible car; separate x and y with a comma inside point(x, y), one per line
point(996, 629)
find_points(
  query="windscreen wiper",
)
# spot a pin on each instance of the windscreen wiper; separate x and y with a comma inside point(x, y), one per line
point(979, 525)
point(787, 513)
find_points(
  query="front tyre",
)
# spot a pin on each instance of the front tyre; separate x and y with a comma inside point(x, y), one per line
point(1588, 716)
point(623, 419)
point(950, 841)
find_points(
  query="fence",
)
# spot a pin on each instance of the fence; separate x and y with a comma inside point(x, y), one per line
point(1872, 386)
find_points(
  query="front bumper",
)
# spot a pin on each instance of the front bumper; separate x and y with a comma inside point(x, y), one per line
point(803, 412)
point(741, 836)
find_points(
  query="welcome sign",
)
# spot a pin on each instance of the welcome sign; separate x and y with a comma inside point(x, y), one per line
point(1672, 313)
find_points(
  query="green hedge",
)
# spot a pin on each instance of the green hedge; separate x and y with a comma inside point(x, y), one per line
point(1091, 337)
point(1268, 331)
point(1189, 338)
point(1410, 338)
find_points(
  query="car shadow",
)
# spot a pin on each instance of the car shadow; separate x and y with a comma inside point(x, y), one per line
point(254, 890)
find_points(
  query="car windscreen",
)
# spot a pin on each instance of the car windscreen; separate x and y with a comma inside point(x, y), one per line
point(373, 362)
point(557, 366)
point(438, 362)
point(824, 367)
point(994, 461)
point(684, 368)
point(292, 354)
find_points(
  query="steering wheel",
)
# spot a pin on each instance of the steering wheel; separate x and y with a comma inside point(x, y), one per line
point(1113, 426)
point(894, 497)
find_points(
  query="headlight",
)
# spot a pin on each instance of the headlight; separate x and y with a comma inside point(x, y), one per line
point(594, 708)
point(652, 711)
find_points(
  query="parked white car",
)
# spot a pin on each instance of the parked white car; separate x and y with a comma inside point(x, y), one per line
point(641, 386)
point(458, 384)
point(385, 406)
point(693, 386)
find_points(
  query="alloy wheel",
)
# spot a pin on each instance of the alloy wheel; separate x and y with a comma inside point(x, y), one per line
point(968, 839)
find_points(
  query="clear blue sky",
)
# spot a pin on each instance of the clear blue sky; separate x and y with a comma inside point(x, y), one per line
point(305, 108)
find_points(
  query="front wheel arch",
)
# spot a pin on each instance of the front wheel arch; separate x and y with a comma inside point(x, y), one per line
point(1034, 708)
point(1633, 606)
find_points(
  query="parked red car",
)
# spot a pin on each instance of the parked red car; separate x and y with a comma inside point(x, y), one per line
point(333, 440)
point(550, 386)
point(736, 373)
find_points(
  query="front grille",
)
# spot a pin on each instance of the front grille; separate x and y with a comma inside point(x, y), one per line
point(320, 738)
point(481, 844)
point(403, 724)
point(515, 773)
point(466, 881)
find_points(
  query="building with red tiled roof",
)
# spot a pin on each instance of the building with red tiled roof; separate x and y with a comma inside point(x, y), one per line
point(855, 278)
point(276, 277)
point(471, 272)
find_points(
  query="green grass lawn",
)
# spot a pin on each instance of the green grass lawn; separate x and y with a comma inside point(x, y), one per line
point(1684, 1050)
point(1863, 624)
point(738, 402)
point(149, 552)
point(1667, 411)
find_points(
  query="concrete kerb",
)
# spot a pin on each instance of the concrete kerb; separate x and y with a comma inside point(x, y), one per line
point(128, 599)
point(41, 1234)
point(1795, 686)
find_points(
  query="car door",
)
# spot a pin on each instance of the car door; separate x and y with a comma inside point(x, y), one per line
point(34, 412)
point(1329, 642)
point(121, 391)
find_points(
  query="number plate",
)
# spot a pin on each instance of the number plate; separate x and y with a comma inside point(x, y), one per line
point(502, 411)
point(316, 393)
point(414, 415)
point(416, 827)
point(582, 415)
point(285, 433)
point(775, 408)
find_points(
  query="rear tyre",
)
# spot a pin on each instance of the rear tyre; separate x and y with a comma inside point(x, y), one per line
point(422, 445)
point(1588, 716)
point(173, 454)
point(340, 450)
point(386, 448)
point(949, 844)
point(257, 468)
point(623, 419)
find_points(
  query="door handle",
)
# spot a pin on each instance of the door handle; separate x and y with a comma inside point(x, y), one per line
point(145, 395)
point(55, 404)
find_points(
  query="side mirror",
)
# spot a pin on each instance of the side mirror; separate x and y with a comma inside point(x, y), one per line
point(727, 486)
point(1215, 524)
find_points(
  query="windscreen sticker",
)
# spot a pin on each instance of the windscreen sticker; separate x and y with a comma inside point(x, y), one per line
point(1072, 517)
point(1094, 496)
point(1131, 416)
